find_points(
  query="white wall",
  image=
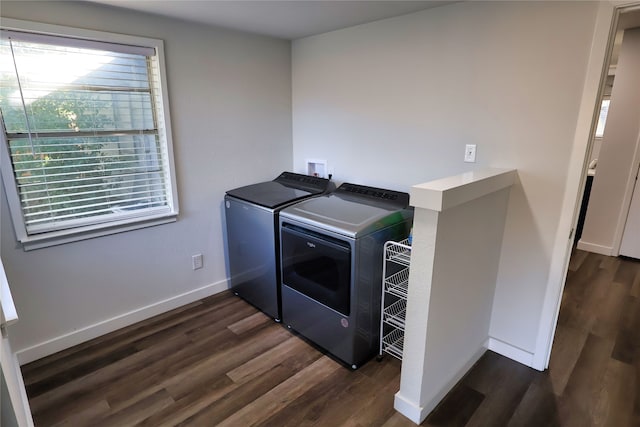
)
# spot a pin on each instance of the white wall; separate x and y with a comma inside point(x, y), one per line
point(393, 103)
point(230, 96)
point(612, 185)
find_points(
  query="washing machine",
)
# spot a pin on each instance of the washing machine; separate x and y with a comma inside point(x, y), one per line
point(251, 214)
point(331, 266)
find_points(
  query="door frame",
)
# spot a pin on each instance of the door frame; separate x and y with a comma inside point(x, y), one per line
point(10, 367)
point(626, 201)
point(606, 24)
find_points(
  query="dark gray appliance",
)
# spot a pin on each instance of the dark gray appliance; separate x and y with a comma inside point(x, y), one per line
point(331, 260)
point(251, 214)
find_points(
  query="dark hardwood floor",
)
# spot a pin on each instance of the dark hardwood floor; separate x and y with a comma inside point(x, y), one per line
point(219, 361)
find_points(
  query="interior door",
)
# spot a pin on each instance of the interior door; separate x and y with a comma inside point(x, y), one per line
point(14, 405)
point(630, 245)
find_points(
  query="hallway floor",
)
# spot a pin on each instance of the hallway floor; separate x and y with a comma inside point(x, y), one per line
point(594, 372)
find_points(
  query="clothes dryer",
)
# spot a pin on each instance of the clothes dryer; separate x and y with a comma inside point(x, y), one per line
point(331, 262)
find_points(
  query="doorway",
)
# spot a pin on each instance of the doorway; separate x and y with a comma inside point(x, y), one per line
point(610, 19)
point(614, 153)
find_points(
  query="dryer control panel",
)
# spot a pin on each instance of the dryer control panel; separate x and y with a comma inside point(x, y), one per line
point(379, 194)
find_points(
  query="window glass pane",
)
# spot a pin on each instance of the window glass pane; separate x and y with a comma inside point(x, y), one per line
point(602, 119)
point(73, 89)
point(70, 178)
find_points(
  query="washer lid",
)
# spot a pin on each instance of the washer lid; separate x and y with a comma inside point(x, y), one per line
point(286, 188)
point(349, 213)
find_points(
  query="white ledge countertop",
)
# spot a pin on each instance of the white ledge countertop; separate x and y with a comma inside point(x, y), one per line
point(455, 190)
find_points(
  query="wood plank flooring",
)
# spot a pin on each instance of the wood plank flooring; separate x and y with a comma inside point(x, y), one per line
point(219, 361)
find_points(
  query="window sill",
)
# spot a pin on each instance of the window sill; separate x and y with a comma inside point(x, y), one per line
point(45, 240)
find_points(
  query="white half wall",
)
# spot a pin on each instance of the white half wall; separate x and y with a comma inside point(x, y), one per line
point(457, 238)
point(230, 100)
point(393, 103)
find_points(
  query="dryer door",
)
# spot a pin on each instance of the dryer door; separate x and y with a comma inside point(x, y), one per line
point(317, 266)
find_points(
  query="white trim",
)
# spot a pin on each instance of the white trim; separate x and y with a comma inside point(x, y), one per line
point(9, 367)
point(87, 333)
point(164, 128)
point(512, 352)
point(81, 43)
point(9, 183)
point(74, 235)
point(626, 201)
point(65, 31)
point(15, 384)
point(595, 248)
point(407, 408)
point(417, 413)
point(8, 313)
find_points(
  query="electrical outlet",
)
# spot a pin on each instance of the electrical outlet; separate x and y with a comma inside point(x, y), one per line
point(196, 261)
point(470, 153)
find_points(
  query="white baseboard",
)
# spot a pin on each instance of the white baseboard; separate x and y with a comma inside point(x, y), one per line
point(417, 413)
point(513, 353)
point(87, 333)
point(407, 408)
point(592, 247)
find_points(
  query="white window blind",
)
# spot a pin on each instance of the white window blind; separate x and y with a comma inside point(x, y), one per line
point(85, 131)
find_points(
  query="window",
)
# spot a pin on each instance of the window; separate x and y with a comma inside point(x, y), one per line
point(86, 141)
point(602, 118)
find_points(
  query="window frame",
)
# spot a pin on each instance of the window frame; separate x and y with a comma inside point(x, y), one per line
point(61, 236)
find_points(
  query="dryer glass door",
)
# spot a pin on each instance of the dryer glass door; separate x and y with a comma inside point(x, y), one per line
point(317, 266)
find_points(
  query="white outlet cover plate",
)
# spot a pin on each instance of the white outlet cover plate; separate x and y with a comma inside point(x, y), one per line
point(470, 153)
